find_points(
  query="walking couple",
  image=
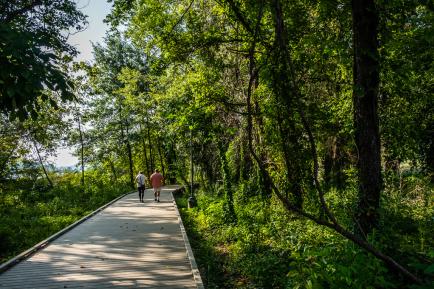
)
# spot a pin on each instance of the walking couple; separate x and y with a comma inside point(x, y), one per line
point(157, 180)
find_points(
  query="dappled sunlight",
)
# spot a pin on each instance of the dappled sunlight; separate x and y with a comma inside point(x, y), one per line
point(129, 244)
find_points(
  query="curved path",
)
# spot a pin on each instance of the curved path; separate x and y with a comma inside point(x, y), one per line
point(127, 245)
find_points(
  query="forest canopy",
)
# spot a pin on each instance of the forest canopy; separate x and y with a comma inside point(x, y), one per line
point(307, 126)
point(33, 45)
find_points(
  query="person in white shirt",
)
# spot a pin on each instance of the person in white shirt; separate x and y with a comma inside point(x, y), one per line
point(140, 180)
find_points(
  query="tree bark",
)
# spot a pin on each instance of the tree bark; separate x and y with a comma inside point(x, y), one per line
point(229, 210)
point(331, 222)
point(130, 158)
point(366, 123)
point(42, 164)
point(151, 157)
point(82, 151)
point(286, 94)
point(112, 167)
point(160, 155)
point(172, 160)
point(125, 140)
point(334, 163)
point(145, 153)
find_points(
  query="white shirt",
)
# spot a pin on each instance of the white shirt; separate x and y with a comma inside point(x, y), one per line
point(140, 179)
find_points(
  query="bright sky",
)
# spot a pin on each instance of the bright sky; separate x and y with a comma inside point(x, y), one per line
point(96, 10)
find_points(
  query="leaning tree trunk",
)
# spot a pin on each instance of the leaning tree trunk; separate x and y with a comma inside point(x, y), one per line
point(42, 164)
point(330, 221)
point(366, 123)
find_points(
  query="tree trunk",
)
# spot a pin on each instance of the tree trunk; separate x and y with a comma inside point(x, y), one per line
point(160, 155)
point(151, 157)
point(229, 211)
point(429, 156)
point(332, 221)
point(112, 167)
point(130, 158)
point(82, 151)
point(365, 102)
point(286, 94)
point(171, 160)
point(334, 163)
point(293, 182)
point(145, 153)
point(125, 140)
point(42, 164)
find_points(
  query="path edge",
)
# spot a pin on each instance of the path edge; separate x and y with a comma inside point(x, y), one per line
point(194, 268)
point(29, 252)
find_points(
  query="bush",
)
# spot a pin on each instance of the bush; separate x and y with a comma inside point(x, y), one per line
point(270, 248)
point(29, 216)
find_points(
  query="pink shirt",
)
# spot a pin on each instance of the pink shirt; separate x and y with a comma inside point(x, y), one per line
point(156, 180)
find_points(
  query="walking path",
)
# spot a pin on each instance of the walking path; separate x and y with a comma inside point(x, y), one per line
point(127, 245)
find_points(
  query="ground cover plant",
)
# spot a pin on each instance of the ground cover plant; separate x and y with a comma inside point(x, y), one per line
point(308, 125)
point(30, 213)
point(268, 248)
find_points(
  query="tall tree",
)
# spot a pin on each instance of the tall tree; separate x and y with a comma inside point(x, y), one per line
point(111, 58)
point(33, 40)
point(366, 74)
point(303, 57)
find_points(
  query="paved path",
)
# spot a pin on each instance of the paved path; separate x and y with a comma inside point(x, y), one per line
point(127, 245)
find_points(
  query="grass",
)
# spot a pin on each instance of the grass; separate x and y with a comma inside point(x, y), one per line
point(28, 216)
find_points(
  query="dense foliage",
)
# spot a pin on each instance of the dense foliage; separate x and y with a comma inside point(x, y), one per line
point(33, 43)
point(308, 125)
point(268, 248)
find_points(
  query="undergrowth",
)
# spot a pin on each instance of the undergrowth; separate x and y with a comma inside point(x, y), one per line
point(31, 212)
point(267, 247)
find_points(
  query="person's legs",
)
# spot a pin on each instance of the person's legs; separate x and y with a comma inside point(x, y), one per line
point(158, 194)
point(155, 194)
point(141, 193)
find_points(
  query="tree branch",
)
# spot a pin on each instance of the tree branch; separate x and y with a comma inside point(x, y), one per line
point(180, 19)
point(11, 16)
point(391, 263)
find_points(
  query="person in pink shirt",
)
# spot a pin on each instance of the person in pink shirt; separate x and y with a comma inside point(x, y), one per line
point(156, 182)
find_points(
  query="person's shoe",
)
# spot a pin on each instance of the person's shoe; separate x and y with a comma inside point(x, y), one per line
point(155, 199)
point(158, 200)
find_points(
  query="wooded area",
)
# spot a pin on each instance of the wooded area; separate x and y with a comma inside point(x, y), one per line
point(310, 126)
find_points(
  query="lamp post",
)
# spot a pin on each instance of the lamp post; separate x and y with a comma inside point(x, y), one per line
point(191, 199)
